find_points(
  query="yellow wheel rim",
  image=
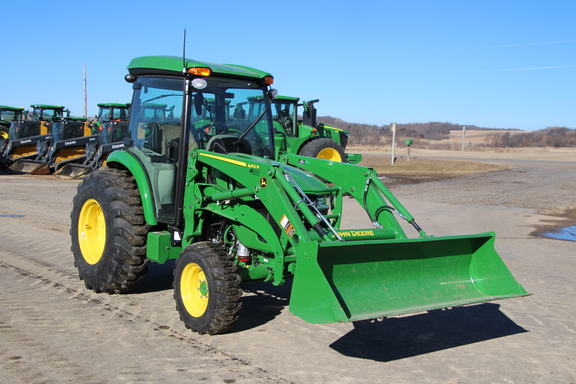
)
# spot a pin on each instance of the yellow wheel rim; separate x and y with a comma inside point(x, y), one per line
point(194, 289)
point(91, 231)
point(329, 154)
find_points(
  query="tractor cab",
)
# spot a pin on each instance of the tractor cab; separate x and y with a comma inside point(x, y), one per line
point(301, 134)
point(111, 122)
point(7, 116)
point(171, 116)
point(43, 116)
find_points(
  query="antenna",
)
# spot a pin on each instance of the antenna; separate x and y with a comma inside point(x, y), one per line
point(184, 53)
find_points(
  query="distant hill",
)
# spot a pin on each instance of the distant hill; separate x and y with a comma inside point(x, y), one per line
point(436, 132)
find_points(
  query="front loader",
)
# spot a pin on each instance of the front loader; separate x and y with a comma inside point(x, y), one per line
point(215, 198)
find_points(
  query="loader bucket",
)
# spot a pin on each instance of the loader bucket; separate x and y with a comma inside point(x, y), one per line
point(358, 280)
point(74, 170)
point(30, 166)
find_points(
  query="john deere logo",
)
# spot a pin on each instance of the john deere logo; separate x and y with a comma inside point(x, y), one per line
point(263, 182)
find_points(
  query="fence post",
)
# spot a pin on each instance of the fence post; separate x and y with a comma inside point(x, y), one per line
point(393, 127)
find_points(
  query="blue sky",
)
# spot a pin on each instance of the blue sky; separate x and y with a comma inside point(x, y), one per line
point(489, 63)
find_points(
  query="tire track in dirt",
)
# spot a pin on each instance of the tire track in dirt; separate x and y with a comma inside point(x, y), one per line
point(32, 334)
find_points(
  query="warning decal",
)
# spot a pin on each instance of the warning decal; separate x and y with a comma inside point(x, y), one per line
point(288, 228)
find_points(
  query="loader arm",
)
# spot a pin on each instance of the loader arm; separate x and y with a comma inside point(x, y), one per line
point(364, 185)
point(251, 193)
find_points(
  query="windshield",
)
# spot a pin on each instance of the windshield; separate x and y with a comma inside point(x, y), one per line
point(66, 130)
point(9, 116)
point(40, 113)
point(113, 113)
point(23, 129)
point(224, 109)
point(284, 115)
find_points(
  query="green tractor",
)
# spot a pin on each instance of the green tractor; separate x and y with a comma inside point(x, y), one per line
point(220, 201)
point(307, 137)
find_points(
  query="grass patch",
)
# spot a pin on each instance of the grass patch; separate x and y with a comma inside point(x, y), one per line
point(417, 170)
point(427, 166)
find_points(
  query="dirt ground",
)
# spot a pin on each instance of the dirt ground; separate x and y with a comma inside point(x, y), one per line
point(53, 330)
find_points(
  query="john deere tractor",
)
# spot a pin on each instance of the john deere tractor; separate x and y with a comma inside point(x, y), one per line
point(220, 199)
point(306, 136)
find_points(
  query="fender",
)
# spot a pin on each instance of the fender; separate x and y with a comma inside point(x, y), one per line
point(128, 161)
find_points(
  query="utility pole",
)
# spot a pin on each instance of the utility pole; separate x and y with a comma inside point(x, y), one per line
point(393, 127)
point(463, 137)
point(85, 94)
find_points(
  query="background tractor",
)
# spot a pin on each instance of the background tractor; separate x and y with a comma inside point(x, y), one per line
point(28, 136)
point(216, 198)
point(7, 116)
point(111, 127)
point(65, 143)
point(306, 136)
point(109, 113)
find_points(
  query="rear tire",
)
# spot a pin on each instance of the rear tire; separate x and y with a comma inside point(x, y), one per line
point(109, 232)
point(323, 148)
point(207, 288)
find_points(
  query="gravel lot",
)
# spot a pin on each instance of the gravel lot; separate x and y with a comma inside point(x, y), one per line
point(53, 330)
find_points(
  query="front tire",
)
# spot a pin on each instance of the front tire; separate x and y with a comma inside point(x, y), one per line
point(323, 148)
point(207, 288)
point(109, 232)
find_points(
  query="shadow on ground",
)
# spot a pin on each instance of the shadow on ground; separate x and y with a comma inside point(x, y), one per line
point(261, 303)
point(399, 338)
point(159, 278)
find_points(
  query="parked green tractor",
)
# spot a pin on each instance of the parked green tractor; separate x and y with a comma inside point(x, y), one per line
point(216, 198)
point(306, 136)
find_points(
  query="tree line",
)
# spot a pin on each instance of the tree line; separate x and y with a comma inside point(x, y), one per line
point(558, 137)
point(422, 133)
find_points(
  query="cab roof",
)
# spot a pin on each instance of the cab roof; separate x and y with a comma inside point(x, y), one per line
point(174, 65)
point(47, 106)
point(7, 108)
point(118, 105)
point(287, 99)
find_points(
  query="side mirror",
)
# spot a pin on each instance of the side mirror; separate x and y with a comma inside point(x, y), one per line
point(273, 94)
